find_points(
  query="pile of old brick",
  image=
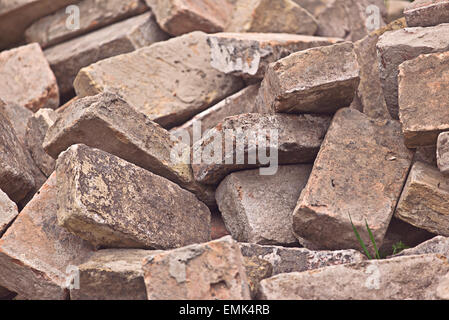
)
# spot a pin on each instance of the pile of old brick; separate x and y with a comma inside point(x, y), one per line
point(118, 193)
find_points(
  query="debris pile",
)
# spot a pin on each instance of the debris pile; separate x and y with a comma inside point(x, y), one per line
point(237, 149)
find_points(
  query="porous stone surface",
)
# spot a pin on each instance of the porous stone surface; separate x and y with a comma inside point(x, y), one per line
point(92, 188)
point(94, 14)
point(16, 176)
point(337, 186)
point(17, 15)
point(286, 260)
point(112, 274)
point(26, 78)
point(266, 16)
point(208, 271)
point(398, 46)
point(292, 139)
point(170, 81)
point(36, 255)
point(426, 13)
point(317, 80)
point(262, 262)
point(36, 130)
point(178, 17)
point(109, 123)
point(68, 58)
point(257, 208)
point(249, 54)
point(393, 279)
point(423, 202)
point(443, 152)
point(8, 212)
point(423, 118)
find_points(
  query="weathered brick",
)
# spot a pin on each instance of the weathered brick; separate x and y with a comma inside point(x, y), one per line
point(425, 13)
point(282, 16)
point(298, 141)
point(18, 116)
point(370, 92)
point(423, 98)
point(317, 80)
point(94, 192)
point(371, 280)
point(26, 78)
point(395, 47)
point(68, 58)
point(94, 14)
point(286, 260)
point(249, 54)
point(208, 271)
point(37, 128)
point(17, 15)
point(170, 81)
point(112, 274)
point(424, 201)
point(178, 17)
point(262, 262)
point(16, 176)
point(107, 122)
point(36, 255)
point(351, 19)
point(258, 209)
point(358, 154)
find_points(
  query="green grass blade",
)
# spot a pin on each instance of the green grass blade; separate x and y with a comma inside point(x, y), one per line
point(371, 236)
point(398, 247)
point(395, 249)
point(360, 239)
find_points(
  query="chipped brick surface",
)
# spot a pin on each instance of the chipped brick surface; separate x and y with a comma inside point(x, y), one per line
point(209, 271)
point(92, 188)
